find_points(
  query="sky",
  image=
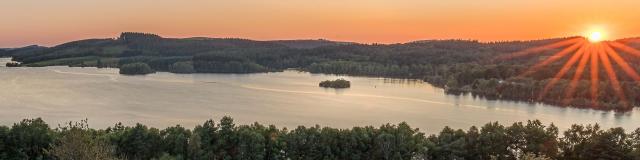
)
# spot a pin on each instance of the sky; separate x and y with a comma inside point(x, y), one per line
point(52, 22)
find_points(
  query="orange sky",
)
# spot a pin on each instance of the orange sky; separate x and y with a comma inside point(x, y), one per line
point(51, 22)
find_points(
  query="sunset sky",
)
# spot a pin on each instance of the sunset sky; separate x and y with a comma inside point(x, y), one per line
point(51, 22)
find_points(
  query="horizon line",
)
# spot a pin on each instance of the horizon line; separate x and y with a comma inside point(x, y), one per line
point(332, 40)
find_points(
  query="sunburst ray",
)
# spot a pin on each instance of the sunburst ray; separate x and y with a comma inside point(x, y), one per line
point(621, 62)
point(625, 48)
point(595, 77)
point(613, 78)
point(578, 75)
point(553, 58)
point(593, 53)
point(565, 68)
point(555, 45)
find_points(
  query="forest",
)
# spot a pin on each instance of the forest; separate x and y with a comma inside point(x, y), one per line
point(223, 139)
point(458, 66)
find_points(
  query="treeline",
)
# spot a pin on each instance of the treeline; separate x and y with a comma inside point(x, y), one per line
point(34, 139)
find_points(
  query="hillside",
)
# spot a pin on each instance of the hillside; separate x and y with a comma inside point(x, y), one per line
point(459, 66)
point(308, 44)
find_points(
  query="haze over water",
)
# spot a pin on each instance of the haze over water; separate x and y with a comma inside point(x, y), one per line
point(286, 99)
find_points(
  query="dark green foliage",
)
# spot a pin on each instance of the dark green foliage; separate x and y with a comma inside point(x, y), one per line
point(165, 63)
point(4, 139)
point(175, 141)
point(204, 141)
point(33, 139)
point(338, 83)
point(216, 63)
point(133, 37)
point(365, 69)
point(534, 138)
point(451, 144)
point(589, 142)
point(28, 140)
point(181, 67)
point(78, 141)
point(138, 142)
point(136, 69)
point(19, 54)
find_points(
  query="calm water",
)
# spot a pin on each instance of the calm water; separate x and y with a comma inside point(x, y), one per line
point(289, 99)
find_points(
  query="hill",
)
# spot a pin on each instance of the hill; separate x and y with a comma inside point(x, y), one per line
point(308, 44)
point(8, 52)
point(458, 66)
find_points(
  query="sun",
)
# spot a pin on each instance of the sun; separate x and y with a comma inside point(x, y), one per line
point(595, 37)
point(586, 55)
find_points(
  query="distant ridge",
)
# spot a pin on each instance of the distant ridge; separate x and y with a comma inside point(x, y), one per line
point(7, 52)
point(310, 43)
point(25, 47)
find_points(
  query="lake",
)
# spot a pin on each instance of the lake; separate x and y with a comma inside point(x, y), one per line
point(286, 99)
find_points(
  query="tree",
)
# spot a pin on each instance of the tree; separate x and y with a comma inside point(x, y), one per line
point(251, 144)
point(29, 139)
point(4, 147)
point(448, 144)
point(577, 140)
point(610, 144)
point(493, 141)
point(204, 141)
point(138, 142)
point(136, 69)
point(533, 138)
point(181, 67)
point(228, 141)
point(77, 141)
point(634, 143)
point(338, 83)
point(175, 140)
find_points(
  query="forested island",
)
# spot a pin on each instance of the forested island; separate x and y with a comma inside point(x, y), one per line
point(338, 83)
point(532, 140)
point(136, 69)
point(458, 66)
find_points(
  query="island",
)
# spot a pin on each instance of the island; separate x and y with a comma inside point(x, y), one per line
point(12, 64)
point(136, 69)
point(338, 83)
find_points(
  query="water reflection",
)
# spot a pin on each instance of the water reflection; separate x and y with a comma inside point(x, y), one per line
point(289, 98)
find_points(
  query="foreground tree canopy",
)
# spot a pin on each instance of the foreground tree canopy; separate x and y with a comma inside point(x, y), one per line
point(34, 139)
point(459, 66)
